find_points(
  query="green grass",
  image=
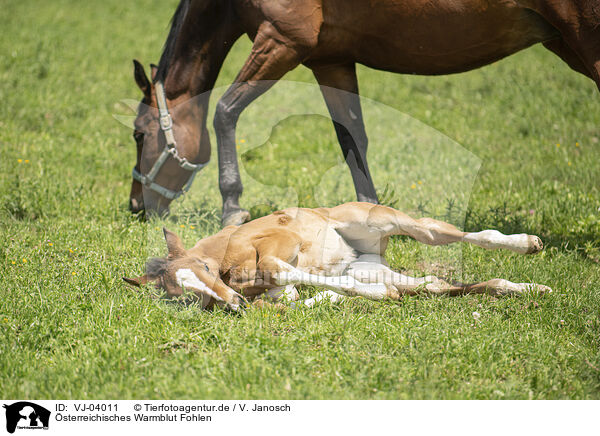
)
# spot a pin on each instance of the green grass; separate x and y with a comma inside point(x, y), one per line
point(71, 329)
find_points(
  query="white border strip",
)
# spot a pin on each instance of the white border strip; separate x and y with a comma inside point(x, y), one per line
point(318, 417)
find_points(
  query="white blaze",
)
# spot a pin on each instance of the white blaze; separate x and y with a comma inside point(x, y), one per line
point(187, 279)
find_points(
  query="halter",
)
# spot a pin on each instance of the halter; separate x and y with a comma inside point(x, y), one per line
point(166, 125)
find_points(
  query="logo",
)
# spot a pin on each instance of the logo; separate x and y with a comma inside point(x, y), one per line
point(25, 415)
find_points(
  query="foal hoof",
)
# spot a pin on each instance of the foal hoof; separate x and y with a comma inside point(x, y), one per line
point(535, 245)
point(236, 218)
point(542, 289)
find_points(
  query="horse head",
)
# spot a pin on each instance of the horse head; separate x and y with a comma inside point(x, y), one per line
point(172, 143)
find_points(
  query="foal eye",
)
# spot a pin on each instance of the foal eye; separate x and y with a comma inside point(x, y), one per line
point(204, 264)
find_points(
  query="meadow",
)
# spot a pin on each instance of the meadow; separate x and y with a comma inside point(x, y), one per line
point(512, 146)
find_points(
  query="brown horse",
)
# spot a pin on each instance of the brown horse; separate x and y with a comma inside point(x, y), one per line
point(330, 37)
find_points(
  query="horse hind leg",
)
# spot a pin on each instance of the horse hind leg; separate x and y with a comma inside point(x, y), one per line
point(370, 269)
point(560, 48)
point(339, 87)
point(578, 22)
point(366, 223)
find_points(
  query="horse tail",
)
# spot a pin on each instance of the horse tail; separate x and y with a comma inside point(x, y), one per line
point(169, 49)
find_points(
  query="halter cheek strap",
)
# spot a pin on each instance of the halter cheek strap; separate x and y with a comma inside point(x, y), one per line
point(166, 125)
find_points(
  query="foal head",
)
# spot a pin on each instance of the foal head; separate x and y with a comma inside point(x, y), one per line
point(179, 274)
point(189, 131)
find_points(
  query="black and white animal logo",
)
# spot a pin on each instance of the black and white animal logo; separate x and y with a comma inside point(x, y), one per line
point(26, 415)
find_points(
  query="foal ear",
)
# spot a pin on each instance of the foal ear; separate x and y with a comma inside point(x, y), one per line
point(174, 244)
point(140, 78)
point(137, 281)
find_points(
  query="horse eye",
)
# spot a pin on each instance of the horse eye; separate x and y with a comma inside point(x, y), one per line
point(137, 135)
point(205, 265)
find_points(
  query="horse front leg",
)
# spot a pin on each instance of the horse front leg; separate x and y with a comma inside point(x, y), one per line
point(339, 87)
point(272, 56)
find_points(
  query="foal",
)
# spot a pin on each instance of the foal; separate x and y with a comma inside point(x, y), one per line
point(339, 249)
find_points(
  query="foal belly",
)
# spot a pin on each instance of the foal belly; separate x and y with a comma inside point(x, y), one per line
point(428, 36)
point(328, 254)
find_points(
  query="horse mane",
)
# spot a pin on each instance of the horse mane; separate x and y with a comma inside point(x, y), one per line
point(169, 48)
point(156, 267)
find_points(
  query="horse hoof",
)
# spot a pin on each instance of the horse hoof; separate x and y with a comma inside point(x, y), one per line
point(542, 289)
point(535, 245)
point(236, 219)
point(534, 287)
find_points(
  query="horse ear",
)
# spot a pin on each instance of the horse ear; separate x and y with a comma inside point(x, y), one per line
point(140, 78)
point(174, 244)
point(153, 71)
point(137, 281)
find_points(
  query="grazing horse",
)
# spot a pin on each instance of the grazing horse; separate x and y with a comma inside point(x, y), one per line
point(329, 37)
point(340, 249)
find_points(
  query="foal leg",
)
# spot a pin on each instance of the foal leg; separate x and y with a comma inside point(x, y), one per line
point(372, 269)
point(340, 90)
point(364, 224)
point(282, 273)
point(334, 297)
point(272, 56)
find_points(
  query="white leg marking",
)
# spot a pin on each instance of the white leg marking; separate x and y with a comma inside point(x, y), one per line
point(188, 280)
point(493, 239)
point(334, 297)
point(345, 285)
point(505, 287)
point(371, 270)
point(287, 292)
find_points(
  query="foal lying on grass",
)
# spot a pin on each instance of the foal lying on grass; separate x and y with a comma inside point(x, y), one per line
point(339, 249)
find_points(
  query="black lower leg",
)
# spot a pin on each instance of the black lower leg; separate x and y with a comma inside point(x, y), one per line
point(356, 159)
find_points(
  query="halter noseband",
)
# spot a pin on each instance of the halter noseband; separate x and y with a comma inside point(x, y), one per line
point(166, 125)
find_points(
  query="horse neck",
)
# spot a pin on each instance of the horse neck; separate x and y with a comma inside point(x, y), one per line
point(215, 250)
point(204, 41)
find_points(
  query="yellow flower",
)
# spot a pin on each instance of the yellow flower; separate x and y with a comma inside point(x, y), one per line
point(20, 160)
point(24, 260)
point(182, 226)
point(13, 262)
point(569, 163)
point(577, 144)
point(73, 273)
point(413, 186)
point(242, 141)
point(192, 227)
point(70, 251)
point(50, 244)
point(557, 145)
point(26, 160)
point(419, 182)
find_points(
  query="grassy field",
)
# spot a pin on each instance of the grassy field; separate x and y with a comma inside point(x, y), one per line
point(513, 146)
